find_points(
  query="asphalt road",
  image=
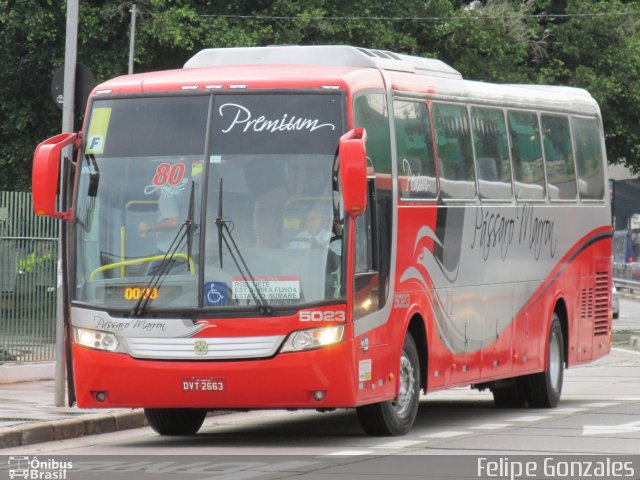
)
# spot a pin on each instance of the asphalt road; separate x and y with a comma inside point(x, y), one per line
point(599, 413)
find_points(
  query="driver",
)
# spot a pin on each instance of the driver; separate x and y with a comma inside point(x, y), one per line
point(315, 234)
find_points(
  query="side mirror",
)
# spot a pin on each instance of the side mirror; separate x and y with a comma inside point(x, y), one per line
point(353, 171)
point(46, 174)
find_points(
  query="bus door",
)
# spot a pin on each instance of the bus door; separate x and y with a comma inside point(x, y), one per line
point(525, 343)
point(465, 333)
point(497, 326)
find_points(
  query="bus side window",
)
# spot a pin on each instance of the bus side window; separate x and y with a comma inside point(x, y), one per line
point(526, 152)
point(492, 153)
point(588, 147)
point(367, 278)
point(455, 154)
point(371, 112)
point(365, 257)
point(414, 148)
point(561, 175)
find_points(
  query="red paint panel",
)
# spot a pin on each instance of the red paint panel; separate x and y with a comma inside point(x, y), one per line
point(287, 380)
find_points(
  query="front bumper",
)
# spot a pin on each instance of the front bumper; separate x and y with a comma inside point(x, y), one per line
point(286, 380)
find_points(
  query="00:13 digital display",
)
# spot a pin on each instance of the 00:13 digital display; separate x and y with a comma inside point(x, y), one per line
point(136, 293)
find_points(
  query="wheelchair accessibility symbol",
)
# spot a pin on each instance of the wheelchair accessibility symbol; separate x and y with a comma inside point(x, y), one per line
point(215, 294)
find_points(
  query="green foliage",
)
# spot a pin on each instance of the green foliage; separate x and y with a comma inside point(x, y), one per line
point(489, 40)
point(601, 53)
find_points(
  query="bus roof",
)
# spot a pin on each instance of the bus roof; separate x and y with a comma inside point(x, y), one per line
point(295, 66)
point(406, 72)
point(326, 55)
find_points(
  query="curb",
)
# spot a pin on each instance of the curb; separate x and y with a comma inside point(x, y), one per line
point(48, 431)
point(26, 372)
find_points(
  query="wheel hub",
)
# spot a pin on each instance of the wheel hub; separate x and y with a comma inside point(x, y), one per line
point(407, 383)
point(554, 361)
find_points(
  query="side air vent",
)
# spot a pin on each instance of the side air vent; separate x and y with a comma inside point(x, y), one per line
point(601, 304)
point(379, 53)
point(586, 304)
point(368, 53)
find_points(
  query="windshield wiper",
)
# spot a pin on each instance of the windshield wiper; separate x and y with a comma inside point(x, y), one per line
point(224, 235)
point(185, 232)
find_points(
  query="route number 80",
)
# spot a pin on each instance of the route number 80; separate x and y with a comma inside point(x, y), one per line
point(169, 174)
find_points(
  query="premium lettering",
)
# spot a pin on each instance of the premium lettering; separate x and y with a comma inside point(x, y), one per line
point(243, 119)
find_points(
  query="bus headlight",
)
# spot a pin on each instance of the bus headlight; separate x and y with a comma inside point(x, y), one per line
point(313, 338)
point(95, 339)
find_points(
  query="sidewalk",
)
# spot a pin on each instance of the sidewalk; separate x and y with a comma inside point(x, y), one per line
point(28, 415)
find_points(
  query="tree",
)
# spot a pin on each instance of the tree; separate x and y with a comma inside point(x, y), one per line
point(33, 34)
point(599, 49)
point(28, 33)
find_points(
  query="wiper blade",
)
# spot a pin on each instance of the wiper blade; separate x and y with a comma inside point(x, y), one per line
point(185, 232)
point(191, 226)
point(220, 224)
point(162, 270)
point(224, 235)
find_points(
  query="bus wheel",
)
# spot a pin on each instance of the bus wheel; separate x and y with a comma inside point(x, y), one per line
point(511, 395)
point(175, 421)
point(543, 389)
point(396, 417)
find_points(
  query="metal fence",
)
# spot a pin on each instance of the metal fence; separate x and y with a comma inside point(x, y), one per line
point(624, 280)
point(28, 259)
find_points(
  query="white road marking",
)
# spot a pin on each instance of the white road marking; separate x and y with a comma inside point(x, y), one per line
point(569, 410)
point(350, 453)
point(624, 350)
point(445, 434)
point(492, 426)
point(600, 404)
point(632, 427)
point(399, 444)
point(529, 418)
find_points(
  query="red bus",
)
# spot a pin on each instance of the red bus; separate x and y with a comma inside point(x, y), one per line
point(329, 227)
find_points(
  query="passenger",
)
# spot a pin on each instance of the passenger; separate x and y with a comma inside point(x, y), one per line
point(165, 228)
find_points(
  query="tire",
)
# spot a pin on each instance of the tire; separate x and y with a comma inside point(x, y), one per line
point(396, 417)
point(175, 421)
point(543, 389)
point(510, 396)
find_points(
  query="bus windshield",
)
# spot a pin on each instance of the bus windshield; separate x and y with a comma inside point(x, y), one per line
point(210, 202)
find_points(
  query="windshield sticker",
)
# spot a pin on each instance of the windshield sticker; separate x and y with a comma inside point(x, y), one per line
point(276, 124)
point(169, 179)
point(97, 136)
point(271, 288)
point(196, 169)
point(240, 117)
point(215, 294)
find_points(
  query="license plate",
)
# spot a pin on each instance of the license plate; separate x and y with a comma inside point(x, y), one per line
point(210, 385)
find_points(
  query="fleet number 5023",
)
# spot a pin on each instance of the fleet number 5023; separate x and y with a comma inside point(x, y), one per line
point(322, 316)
